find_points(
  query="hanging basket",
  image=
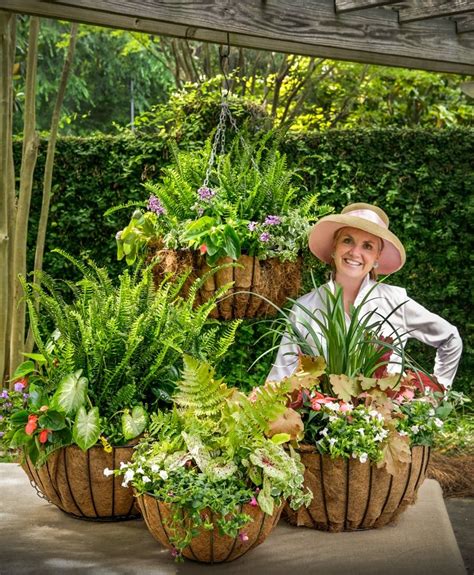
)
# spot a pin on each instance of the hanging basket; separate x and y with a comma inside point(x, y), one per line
point(270, 278)
point(350, 495)
point(74, 481)
point(209, 546)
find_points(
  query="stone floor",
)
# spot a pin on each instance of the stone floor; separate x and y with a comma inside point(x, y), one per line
point(38, 539)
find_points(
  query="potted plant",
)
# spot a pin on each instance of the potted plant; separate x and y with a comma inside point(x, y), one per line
point(212, 476)
point(247, 211)
point(103, 361)
point(367, 431)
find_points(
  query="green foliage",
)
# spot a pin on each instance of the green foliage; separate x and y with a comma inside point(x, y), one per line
point(211, 453)
point(421, 178)
point(113, 354)
point(248, 205)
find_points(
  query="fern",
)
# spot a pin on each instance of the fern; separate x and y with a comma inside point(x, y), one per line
point(198, 392)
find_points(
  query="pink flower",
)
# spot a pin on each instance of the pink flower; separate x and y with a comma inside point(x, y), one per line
point(253, 502)
point(203, 249)
point(243, 536)
point(344, 407)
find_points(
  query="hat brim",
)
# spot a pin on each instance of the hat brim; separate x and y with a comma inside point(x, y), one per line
point(321, 240)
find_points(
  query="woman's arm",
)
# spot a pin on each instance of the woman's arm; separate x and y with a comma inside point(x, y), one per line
point(435, 331)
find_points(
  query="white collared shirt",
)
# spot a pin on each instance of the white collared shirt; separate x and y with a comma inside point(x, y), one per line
point(411, 320)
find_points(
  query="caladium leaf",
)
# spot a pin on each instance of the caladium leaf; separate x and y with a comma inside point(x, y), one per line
point(71, 393)
point(86, 429)
point(134, 423)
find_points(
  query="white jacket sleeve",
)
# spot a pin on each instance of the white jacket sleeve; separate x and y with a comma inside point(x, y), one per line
point(435, 331)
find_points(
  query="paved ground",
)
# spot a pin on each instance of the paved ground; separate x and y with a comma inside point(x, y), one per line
point(461, 514)
point(38, 539)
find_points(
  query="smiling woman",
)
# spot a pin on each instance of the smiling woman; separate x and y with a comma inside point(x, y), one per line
point(357, 244)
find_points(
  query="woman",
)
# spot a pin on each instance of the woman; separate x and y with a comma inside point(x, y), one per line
point(357, 244)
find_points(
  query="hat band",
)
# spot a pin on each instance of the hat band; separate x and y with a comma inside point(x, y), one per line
point(367, 215)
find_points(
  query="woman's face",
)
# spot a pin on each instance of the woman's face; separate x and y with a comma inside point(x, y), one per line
point(355, 253)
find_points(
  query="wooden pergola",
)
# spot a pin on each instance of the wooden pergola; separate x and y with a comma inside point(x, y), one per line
point(436, 35)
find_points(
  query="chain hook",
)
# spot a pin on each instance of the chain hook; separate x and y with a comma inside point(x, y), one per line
point(224, 53)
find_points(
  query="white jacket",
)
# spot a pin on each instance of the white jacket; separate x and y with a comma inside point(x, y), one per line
point(411, 320)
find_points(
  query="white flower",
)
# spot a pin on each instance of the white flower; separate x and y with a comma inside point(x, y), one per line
point(123, 465)
point(129, 474)
point(324, 432)
point(363, 457)
point(431, 412)
point(332, 441)
point(366, 418)
point(402, 433)
point(437, 421)
point(415, 429)
point(154, 467)
point(140, 470)
point(108, 472)
point(332, 406)
point(163, 474)
point(378, 437)
point(354, 455)
point(333, 418)
point(146, 479)
point(361, 431)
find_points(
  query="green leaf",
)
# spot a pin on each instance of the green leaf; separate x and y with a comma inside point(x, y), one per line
point(20, 417)
point(86, 429)
point(198, 227)
point(71, 393)
point(19, 439)
point(23, 369)
point(232, 242)
point(134, 423)
point(280, 438)
point(52, 420)
point(38, 357)
point(266, 502)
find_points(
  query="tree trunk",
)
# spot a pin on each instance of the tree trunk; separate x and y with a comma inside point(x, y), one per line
point(48, 169)
point(28, 163)
point(7, 23)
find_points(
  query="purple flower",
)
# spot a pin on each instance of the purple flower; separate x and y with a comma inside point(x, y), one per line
point(272, 220)
point(265, 237)
point(18, 386)
point(252, 226)
point(1, 417)
point(205, 194)
point(26, 395)
point(154, 205)
point(4, 394)
point(2, 433)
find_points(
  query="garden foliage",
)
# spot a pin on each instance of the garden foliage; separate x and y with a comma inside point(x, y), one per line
point(421, 178)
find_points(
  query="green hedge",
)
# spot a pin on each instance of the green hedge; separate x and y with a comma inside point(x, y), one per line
point(422, 178)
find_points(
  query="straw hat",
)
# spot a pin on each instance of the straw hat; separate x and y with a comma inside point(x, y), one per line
point(364, 217)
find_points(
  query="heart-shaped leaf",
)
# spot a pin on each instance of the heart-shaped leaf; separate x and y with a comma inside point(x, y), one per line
point(71, 393)
point(86, 429)
point(134, 423)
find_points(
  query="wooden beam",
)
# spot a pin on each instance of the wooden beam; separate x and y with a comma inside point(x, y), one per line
point(425, 9)
point(351, 5)
point(464, 25)
point(292, 26)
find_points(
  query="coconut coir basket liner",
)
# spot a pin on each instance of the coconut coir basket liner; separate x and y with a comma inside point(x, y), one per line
point(350, 495)
point(75, 482)
point(271, 278)
point(209, 546)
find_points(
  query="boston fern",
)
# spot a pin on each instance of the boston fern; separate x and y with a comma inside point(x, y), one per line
point(213, 453)
point(107, 354)
point(249, 204)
